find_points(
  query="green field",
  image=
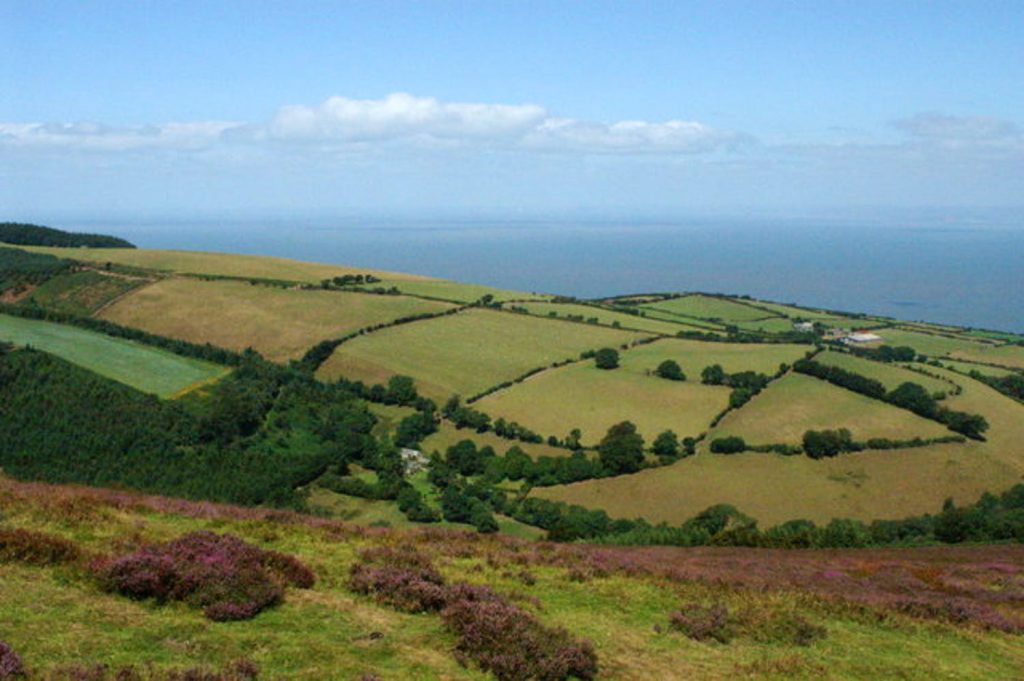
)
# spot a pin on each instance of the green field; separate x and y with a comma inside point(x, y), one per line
point(984, 369)
point(1011, 356)
point(797, 403)
point(218, 264)
point(890, 375)
point(697, 324)
point(694, 356)
point(773, 325)
point(453, 290)
point(929, 344)
point(608, 317)
point(867, 485)
point(466, 353)
point(448, 435)
point(591, 399)
point(708, 307)
point(280, 324)
point(82, 293)
point(146, 368)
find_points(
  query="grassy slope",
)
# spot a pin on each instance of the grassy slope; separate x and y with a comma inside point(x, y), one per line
point(221, 264)
point(890, 375)
point(54, 616)
point(591, 399)
point(708, 307)
point(607, 317)
point(145, 368)
point(797, 403)
point(869, 485)
point(928, 344)
point(82, 293)
point(279, 323)
point(1009, 356)
point(467, 352)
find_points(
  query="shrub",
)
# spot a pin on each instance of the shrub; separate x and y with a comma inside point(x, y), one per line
point(228, 578)
point(35, 548)
point(728, 445)
point(702, 623)
point(10, 662)
point(510, 643)
point(606, 358)
point(670, 369)
point(401, 577)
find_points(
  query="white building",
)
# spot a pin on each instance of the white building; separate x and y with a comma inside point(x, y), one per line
point(859, 337)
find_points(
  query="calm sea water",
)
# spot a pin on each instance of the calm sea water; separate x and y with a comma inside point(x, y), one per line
point(964, 275)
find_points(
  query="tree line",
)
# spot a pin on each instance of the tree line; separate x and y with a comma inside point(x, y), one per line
point(27, 234)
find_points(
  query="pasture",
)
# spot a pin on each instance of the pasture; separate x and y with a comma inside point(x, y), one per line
point(466, 353)
point(708, 307)
point(280, 324)
point(217, 264)
point(927, 343)
point(797, 403)
point(890, 375)
point(1011, 356)
point(82, 293)
point(867, 485)
point(140, 366)
point(984, 369)
point(448, 435)
point(692, 356)
point(453, 290)
point(582, 396)
point(608, 317)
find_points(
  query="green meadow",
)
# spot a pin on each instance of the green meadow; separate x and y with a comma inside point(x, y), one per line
point(607, 317)
point(929, 344)
point(1011, 356)
point(889, 375)
point(708, 307)
point(141, 366)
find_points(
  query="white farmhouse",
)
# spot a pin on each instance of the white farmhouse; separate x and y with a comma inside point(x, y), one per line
point(861, 337)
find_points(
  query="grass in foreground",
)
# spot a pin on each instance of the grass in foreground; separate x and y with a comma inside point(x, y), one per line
point(465, 353)
point(619, 599)
point(143, 367)
point(278, 323)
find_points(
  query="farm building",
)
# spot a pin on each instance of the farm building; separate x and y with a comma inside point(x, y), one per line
point(804, 326)
point(859, 337)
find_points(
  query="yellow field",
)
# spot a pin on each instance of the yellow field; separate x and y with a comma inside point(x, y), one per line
point(867, 485)
point(797, 403)
point(890, 375)
point(279, 323)
point(1008, 355)
point(220, 264)
point(466, 353)
point(591, 399)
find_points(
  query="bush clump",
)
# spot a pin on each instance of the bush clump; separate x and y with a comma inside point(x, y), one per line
point(702, 623)
point(509, 642)
point(225, 576)
point(10, 662)
point(401, 577)
point(35, 548)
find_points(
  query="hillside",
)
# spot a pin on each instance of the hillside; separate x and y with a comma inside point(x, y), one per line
point(712, 613)
point(517, 377)
point(25, 234)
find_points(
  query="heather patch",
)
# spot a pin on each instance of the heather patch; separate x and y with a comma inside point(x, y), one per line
point(401, 577)
point(11, 666)
point(35, 548)
point(226, 577)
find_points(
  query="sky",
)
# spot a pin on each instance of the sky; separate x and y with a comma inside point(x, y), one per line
point(197, 109)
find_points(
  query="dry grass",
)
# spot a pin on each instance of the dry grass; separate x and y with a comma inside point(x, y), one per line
point(279, 323)
point(466, 353)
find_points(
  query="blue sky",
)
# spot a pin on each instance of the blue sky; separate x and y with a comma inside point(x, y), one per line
point(183, 109)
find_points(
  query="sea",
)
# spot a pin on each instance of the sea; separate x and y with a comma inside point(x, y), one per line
point(945, 271)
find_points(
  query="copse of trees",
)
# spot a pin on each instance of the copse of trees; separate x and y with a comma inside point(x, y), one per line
point(20, 269)
point(819, 444)
point(622, 449)
point(606, 358)
point(732, 444)
point(26, 234)
point(670, 369)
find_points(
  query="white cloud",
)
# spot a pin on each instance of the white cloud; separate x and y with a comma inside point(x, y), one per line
point(687, 137)
point(960, 132)
point(96, 137)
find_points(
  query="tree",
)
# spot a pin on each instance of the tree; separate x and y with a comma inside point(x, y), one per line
point(819, 444)
point(401, 390)
point(713, 375)
point(670, 370)
point(666, 446)
point(622, 449)
point(728, 445)
point(606, 358)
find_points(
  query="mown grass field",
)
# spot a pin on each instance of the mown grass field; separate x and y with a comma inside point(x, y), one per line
point(929, 344)
point(797, 403)
point(708, 307)
point(82, 293)
point(280, 324)
point(867, 485)
point(146, 368)
point(466, 353)
point(453, 290)
point(890, 375)
point(55, 616)
point(608, 317)
point(1008, 355)
point(599, 399)
point(218, 264)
